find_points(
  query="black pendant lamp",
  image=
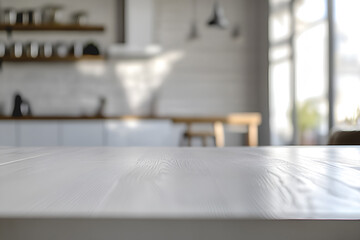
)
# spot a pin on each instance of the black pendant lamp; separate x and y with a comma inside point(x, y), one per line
point(218, 18)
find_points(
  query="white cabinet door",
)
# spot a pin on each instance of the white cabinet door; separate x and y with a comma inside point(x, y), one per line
point(143, 133)
point(8, 133)
point(82, 133)
point(38, 133)
point(152, 133)
point(116, 134)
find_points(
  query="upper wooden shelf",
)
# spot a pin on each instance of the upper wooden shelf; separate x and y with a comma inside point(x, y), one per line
point(52, 59)
point(50, 27)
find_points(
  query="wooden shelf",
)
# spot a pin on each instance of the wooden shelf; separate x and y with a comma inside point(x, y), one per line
point(52, 59)
point(50, 27)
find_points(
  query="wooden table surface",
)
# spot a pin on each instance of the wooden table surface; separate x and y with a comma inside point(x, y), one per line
point(180, 193)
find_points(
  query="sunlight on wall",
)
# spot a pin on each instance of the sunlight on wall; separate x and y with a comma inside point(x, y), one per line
point(347, 59)
point(347, 97)
point(141, 79)
point(281, 102)
point(279, 26)
point(131, 123)
point(310, 11)
point(311, 66)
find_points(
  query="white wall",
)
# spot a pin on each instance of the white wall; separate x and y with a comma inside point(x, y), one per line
point(213, 75)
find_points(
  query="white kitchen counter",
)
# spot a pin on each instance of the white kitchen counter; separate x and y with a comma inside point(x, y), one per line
point(89, 132)
point(180, 193)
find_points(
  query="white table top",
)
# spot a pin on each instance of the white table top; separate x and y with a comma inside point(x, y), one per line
point(181, 183)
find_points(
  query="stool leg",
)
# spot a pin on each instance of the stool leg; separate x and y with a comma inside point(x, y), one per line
point(183, 141)
point(203, 141)
point(219, 134)
point(253, 135)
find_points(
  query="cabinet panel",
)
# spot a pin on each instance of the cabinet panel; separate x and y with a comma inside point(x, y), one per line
point(38, 133)
point(89, 133)
point(143, 133)
point(148, 133)
point(82, 133)
point(116, 133)
point(8, 133)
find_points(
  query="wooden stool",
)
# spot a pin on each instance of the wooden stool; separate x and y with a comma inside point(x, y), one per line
point(250, 120)
point(203, 135)
point(217, 135)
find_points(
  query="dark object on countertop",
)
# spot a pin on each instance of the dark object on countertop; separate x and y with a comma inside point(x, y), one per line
point(21, 107)
point(17, 106)
point(1, 109)
point(101, 109)
point(91, 49)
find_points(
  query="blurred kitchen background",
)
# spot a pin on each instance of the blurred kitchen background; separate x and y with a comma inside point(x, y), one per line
point(141, 72)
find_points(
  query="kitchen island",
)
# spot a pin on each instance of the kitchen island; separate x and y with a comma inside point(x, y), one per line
point(180, 193)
